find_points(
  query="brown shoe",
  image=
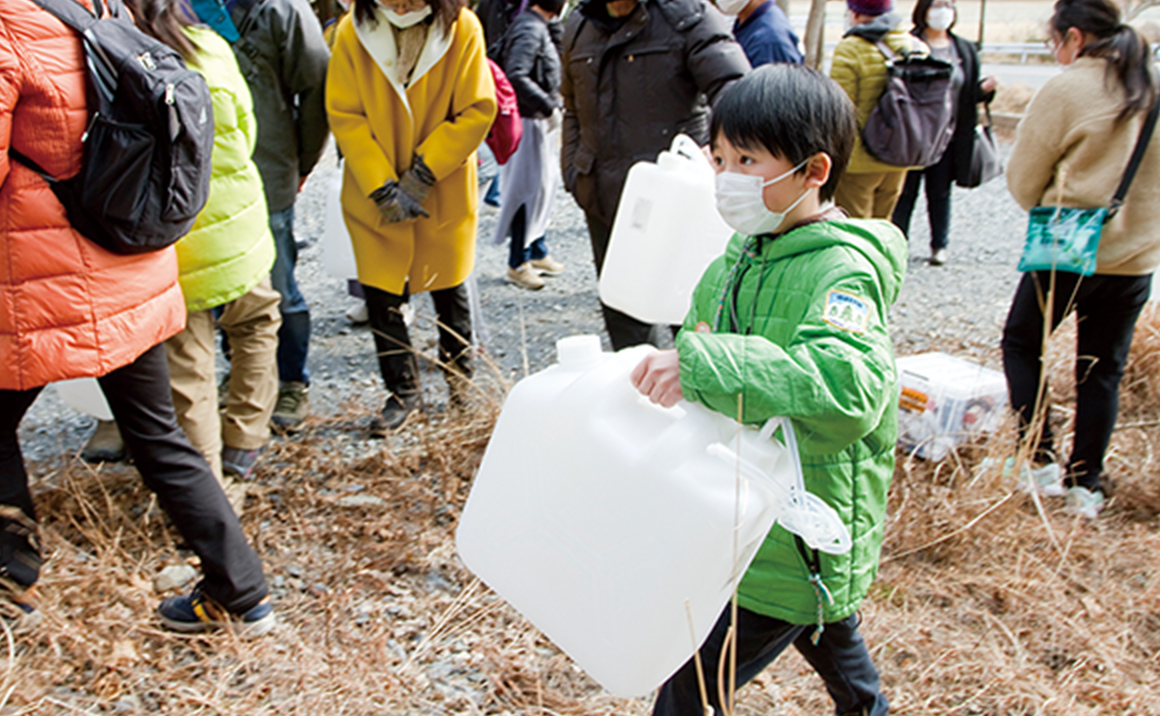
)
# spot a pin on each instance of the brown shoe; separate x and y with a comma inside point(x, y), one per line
point(105, 444)
point(525, 277)
point(548, 266)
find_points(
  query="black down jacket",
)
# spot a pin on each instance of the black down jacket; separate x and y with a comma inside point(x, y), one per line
point(630, 86)
point(532, 64)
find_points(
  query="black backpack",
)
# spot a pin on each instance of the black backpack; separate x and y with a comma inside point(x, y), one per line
point(146, 165)
point(913, 122)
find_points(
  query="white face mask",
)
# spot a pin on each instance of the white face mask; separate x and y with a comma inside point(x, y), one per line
point(405, 20)
point(740, 202)
point(940, 18)
point(731, 7)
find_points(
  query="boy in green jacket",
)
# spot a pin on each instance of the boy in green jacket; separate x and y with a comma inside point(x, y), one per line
point(791, 322)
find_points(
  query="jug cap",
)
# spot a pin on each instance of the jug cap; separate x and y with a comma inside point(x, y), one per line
point(578, 351)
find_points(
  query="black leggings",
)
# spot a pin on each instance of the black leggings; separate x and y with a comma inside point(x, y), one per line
point(1106, 308)
point(142, 404)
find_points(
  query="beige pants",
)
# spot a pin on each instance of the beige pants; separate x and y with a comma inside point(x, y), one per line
point(870, 196)
point(251, 322)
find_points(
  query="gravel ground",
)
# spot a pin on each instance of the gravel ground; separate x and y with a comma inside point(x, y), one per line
point(957, 308)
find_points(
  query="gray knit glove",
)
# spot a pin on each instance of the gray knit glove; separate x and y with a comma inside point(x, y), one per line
point(414, 186)
point(386, 197)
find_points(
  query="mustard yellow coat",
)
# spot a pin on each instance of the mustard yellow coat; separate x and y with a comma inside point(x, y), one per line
point(443, 115)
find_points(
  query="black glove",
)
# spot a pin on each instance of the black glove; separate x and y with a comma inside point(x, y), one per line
point(414, 186)
point(386, 198)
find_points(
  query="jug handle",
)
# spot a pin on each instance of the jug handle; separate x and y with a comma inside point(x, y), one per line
point(685, 146)
point(787, 432)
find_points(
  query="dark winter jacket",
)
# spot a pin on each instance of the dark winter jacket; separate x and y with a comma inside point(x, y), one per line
point(283, 57)
point(767, 37)
point(963, 142)
point(630, 86)
point(532, 65)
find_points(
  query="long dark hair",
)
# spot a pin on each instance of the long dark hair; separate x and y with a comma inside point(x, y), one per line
point(918, 17)
point(164, 20)
point(1126, 52)
point(445, 11)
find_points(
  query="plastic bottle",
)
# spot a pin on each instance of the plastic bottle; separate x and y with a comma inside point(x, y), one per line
point(84, 395)
point(666, 232)
point(337, 251)
point(609, 522)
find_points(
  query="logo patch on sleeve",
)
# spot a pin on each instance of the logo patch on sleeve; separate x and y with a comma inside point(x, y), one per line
point(846, 311)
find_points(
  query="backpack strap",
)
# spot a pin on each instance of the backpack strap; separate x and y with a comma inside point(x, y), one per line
point(1134, 163)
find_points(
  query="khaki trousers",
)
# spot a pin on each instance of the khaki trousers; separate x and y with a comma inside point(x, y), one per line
point(870, 196)
point(251, 323)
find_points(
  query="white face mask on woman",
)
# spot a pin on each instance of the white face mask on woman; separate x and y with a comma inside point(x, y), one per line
point(408, 19)
point(940, 18)
point(741, 203)
point(731, 7)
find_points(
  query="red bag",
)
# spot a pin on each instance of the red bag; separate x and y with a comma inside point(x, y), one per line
point(506, 130)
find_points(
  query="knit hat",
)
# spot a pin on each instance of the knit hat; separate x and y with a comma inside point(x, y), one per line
point(870, 7)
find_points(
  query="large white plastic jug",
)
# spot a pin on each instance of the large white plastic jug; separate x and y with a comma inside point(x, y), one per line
point(610, 522)
point(84, 395)
point(666, 232)
point(337, 252)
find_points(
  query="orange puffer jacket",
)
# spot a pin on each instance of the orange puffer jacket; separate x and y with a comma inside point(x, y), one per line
point(68, 308)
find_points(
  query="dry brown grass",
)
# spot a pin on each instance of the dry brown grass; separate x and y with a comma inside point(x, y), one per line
point(988, 601)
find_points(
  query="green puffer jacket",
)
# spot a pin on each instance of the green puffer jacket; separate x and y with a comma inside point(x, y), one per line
point(230, 247)
point(809, 342)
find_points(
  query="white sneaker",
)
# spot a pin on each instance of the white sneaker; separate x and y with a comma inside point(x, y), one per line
point(1083, 502)
point(358, 313)
point(1046, 480)
point(939, 257)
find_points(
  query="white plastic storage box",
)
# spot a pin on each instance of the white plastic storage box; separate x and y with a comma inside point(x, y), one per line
point(946, 400)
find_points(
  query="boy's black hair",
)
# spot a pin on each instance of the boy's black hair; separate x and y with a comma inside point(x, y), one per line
point(791, 111)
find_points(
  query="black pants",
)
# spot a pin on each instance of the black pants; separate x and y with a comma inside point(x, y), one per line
point(397, 362)
point(140, 398)
point(623, 329)
point(840, 657)
point(939, 178)
point(1106, 308)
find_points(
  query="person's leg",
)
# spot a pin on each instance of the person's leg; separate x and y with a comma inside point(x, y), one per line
point(453, 314)
point(1107, 309)
point(840, 657)
point(886, 192)
point(761, 639)
point(251, 321)
point(1022, 346)
point(139, 396)
point(623, 330)
point(397, 362)
point(19, 551)
point(855, 194)
point(538, 249)
point(517, 252)
point(192, 379)
point(905, 206)
point(939, 180)
point(294, 335)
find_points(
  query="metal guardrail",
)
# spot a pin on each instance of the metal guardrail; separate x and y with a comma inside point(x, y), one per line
point(1022, 49)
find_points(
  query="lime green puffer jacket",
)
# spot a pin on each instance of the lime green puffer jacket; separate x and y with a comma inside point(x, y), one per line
point(808, 340)
point(230, 247)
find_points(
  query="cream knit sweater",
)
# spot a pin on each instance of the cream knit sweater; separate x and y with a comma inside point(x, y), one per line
point(1069, 151)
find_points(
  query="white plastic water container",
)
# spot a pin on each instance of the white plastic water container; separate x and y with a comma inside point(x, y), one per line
point(608, 521)
point(337, 251)
point(946, 400)
point(666, 232)
point(85, 396)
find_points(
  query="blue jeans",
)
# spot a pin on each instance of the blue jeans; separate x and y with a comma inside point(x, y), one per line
point(840, 657)
point(294, 335)
point(519, 253)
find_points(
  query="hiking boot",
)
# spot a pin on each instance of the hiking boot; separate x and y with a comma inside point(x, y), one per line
point(394, 415)
point(238, 463)
point(195, 612)
point(105, 444)
point(1046, 480)
point(18, 607)
point(525, 277)
point(292, 406)
point(548, 266)
point(1084, 502)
